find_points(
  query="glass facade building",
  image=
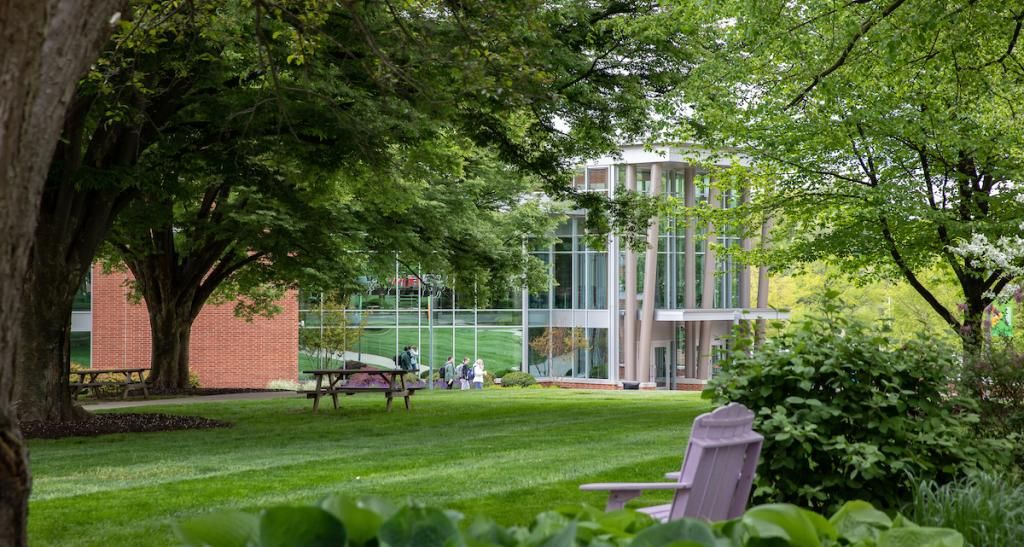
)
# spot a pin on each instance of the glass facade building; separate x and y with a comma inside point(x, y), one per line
point(593, 323)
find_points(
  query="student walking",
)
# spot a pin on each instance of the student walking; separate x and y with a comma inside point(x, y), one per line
point(402, 360)
point(448, 372)
point(478, 374)
point(414, 359)
point(465, 373)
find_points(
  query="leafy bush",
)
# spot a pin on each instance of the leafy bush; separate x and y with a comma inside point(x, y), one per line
point(518, 379)
point(996, 380)
point(849, 413)
point(987, 509)
point(193, 380)
point(338, 520)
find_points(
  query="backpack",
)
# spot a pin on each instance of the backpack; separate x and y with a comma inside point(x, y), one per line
point(469, 372)
point(442, 372)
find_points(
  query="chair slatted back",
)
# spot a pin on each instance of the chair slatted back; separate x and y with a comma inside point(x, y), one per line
point(719, 464)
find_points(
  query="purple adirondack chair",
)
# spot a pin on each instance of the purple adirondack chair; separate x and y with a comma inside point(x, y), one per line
point(717, 473)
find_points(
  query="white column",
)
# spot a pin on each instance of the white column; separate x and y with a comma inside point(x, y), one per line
point(690, 269)
point(643, 361)
point(744, 273)
point(762, 281)
point(612, 290)
point(708, 290)
point(629, 316)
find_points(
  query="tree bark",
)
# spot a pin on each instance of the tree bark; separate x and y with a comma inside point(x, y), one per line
point(41, 379)
point(170, 330)
point(972, 336)
point(46, 46)
point(58, 267)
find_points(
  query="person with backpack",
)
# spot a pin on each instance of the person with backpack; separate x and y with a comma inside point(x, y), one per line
point(465, 373)
point(478, 374)
point(448, 372)
point(414, 359)
point(403, 360)
point(460, 373)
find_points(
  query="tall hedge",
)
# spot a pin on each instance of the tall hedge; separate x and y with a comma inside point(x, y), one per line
point(849, 412)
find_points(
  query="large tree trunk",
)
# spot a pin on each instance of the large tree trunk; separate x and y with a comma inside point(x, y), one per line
point(41, 381)
point(46, 48)
point(42, 375)
point(170, 329)
point(972, 335)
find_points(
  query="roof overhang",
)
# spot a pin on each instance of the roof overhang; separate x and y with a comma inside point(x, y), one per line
point(728, 314)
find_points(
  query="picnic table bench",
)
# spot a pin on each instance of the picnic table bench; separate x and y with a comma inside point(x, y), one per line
point(126, 379)
point(334, 385)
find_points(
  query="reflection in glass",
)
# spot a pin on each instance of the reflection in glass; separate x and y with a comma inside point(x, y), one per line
point(539, 349)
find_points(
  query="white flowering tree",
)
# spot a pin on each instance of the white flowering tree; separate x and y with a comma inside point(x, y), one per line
point(888, 136)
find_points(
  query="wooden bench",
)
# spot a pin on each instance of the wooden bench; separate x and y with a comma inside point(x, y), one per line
point(125, 379)
point(396, 386)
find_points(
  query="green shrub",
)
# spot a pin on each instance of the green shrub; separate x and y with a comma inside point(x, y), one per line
point(996, 380)
point(987, 509)
point(847, 412)
point(501, 373)
point(193, 380)
point(518, 379)
point(371, 521)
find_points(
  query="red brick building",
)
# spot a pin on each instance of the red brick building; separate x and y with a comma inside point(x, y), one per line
point(225, 351)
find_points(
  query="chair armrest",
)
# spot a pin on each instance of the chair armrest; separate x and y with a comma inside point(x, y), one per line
point(621, 492)
point(673, 476)
point(631, 486)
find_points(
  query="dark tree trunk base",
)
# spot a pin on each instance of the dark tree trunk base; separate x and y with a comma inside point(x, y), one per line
point(15, 485)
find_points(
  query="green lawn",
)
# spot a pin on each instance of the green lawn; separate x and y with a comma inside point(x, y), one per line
point(506, 453)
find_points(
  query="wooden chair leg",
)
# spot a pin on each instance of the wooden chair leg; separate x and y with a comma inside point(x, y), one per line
point(334, 396)
point(316, 402)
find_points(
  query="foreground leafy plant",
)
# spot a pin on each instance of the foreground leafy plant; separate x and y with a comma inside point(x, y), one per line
point(987, 508)
point(340, 521)
point(848, 412)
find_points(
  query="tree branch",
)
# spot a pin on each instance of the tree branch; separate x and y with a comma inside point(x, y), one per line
point(865, 27)
point(911, 277)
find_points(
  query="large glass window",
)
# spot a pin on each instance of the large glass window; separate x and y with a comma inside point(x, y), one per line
point(542, 298)
point(564, 345)
point(597, 281)
point(597, 353)
point(539, 346)
point(563, 271)
point(501, 348)
point(597, 179)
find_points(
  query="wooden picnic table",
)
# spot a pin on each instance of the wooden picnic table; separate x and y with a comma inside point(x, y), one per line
point(125, 378)
point(396, 385)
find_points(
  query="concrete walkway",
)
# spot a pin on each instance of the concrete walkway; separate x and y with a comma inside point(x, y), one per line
point(255, 396)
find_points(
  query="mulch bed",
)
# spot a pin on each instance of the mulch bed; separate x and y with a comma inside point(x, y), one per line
point(103, 424)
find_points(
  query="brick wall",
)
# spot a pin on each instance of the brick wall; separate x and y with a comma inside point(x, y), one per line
point(225, 351)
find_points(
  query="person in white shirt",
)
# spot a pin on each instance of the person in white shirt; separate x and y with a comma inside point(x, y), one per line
point(478, 374)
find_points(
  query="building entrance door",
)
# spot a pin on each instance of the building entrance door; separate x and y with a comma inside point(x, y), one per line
point(661, 367)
